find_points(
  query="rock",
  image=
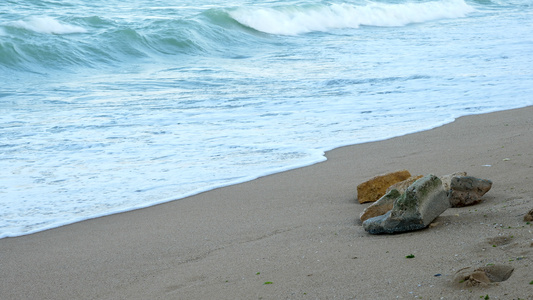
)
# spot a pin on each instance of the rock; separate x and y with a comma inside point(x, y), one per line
point(447, 179)
point(467, 190)
point(382, 206)
point(529, 216)
point(403, 185)
point(482, 276)
point(376, 187)
point(421, 203)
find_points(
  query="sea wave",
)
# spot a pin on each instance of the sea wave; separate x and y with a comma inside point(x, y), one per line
point(43, 43)
point(46, 24)
point(299, 19)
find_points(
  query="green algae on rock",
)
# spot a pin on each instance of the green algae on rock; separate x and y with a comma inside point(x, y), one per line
point(421, 203)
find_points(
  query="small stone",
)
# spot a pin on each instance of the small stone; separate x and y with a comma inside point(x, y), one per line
point(421, 203)
point(403, 185)
point(382, 206)
point(434, 224)
point(467, 190)
point(375, 188)
point(529, 216)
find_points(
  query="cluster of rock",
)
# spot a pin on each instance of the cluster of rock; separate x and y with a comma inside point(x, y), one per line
point(404, 202)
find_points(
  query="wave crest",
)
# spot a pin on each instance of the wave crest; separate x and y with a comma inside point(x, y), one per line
point(294, 20)
point(49, 25)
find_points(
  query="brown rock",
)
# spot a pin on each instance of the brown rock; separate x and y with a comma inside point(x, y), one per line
point(529, 216)
point(376, 187)
point(382, 206)
point(403, 185)
point(467, 190)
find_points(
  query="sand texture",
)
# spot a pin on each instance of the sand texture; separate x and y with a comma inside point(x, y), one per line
point(297, 234)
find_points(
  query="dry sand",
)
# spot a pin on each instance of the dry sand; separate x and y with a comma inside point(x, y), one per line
point(299, 231)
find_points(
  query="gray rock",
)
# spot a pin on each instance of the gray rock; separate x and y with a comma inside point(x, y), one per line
point(382, 206)
point(421, 203)
point(403, 185)
point(467, 190)
point(447, 179)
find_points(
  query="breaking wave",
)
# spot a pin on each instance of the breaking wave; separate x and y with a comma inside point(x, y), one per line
point(293, 20)
point(43, 43)
point(45, 24)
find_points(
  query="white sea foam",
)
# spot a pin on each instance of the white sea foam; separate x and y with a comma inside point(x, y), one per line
point(293, 20)
point(45, 24)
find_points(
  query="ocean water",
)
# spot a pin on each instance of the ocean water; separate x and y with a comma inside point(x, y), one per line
point(108, 106)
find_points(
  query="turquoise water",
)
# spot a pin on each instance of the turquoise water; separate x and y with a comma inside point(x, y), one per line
point(108, 106)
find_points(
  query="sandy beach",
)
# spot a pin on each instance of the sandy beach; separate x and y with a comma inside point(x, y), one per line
point(297, 234)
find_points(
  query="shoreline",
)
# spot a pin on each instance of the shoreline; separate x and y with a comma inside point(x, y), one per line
point(299, 230)
point(242, 180)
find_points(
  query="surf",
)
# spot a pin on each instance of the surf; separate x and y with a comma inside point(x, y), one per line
point(301, 19)
point(48, 25)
